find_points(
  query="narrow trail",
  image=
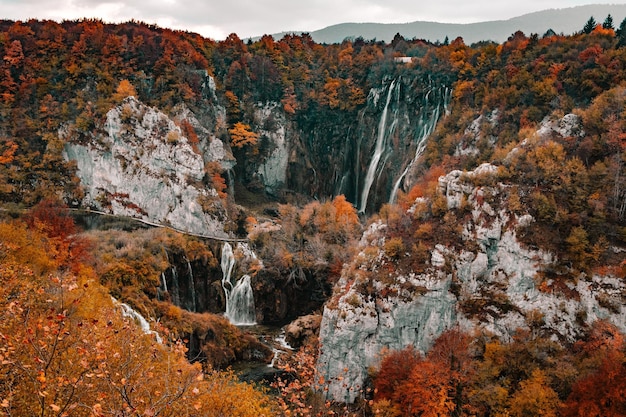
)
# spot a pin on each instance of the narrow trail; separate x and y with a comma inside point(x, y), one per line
point(144, 221)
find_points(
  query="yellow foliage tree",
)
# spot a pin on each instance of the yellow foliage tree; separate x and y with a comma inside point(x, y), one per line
point(124, 89)
point(535, 398)
point(66, 349)
point(241, 135)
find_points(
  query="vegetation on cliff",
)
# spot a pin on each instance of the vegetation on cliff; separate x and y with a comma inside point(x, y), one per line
point(66, 349)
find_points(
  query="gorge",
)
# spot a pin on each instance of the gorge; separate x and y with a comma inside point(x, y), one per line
point(366, 197)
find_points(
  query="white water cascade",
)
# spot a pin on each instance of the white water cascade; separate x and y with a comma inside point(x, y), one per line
point(239, 297)
point(283, 347)
point(378, 152)
point(192, 285)
point(427, 128)
point(128, 311)
point(163, 282)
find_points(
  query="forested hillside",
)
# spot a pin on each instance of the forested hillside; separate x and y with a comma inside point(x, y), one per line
point(455, 218)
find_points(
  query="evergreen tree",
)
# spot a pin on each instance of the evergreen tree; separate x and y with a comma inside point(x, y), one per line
point(549, 33)
point(589, 26)
point(608, 22)
point(621, 34)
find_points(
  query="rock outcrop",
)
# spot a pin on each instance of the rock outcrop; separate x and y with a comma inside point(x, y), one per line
point(272, 172)
point(299, 331)
point(491, 283)
point(141, 165)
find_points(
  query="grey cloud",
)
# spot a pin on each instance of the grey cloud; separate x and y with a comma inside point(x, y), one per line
point(256, 17)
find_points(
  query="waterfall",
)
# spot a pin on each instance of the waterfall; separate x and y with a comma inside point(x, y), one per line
point(192, 286)
point(163, 282)
point(240, 306)
point(176, 290)
point(239, 298)
point(128, 311)
point(428, 127)
point(378, 151)
point(163, 279)
point(283, 347)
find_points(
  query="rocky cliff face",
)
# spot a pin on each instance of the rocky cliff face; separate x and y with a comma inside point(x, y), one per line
point(365, 155)
point(141, 165)
point(489, 283)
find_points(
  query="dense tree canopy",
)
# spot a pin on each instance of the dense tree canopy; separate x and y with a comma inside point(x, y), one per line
point(58, 356)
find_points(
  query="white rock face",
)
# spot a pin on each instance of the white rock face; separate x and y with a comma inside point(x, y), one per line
point(473, 134)
point(493, 271)
point(211, 147)
point(273, 172)
point(353, 334)
point(143, 166)
point(569, 125)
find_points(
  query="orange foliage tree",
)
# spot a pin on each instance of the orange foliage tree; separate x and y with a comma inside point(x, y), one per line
point(67, 350)
point(335, 220)
point(124, 89)
point(432, 386)
point(53, 218)
point(395, 367)
point(241, 135)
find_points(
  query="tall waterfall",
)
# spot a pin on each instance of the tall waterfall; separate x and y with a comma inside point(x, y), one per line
point(192, 286)
point(378, 152)
point(427, 125)
point(239, 297)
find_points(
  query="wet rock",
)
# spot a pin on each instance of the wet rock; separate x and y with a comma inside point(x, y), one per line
point(300, 330)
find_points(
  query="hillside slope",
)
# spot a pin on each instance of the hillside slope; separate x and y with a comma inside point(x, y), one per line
point(566, 21)
point(476, 189)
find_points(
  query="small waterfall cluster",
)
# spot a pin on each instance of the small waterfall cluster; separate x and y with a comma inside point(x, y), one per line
point(239, 297)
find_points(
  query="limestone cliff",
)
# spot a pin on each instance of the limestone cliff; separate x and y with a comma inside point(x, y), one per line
point(140, 164)
point(488, 281)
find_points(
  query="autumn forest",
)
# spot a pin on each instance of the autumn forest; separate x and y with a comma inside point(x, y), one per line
point(535, 128)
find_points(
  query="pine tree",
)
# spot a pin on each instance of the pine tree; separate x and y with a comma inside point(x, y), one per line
point(608, 22)
point(621, 34)
point(589, 26)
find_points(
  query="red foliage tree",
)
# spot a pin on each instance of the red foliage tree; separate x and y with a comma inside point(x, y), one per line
point(603, 392)
point(53, 218)
point(395, 368)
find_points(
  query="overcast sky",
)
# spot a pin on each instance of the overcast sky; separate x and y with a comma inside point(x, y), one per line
point(218, 18)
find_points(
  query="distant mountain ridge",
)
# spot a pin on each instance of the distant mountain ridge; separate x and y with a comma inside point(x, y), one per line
point(566, 21)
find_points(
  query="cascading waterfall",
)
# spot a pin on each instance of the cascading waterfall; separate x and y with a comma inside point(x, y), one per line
point(128, 311)
point(176, 287)
point(163, 279)
point(378, 151)
point(192, 285)
point(283, 347)
point(427, 127)
point(240, 308)
point(239, 297)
